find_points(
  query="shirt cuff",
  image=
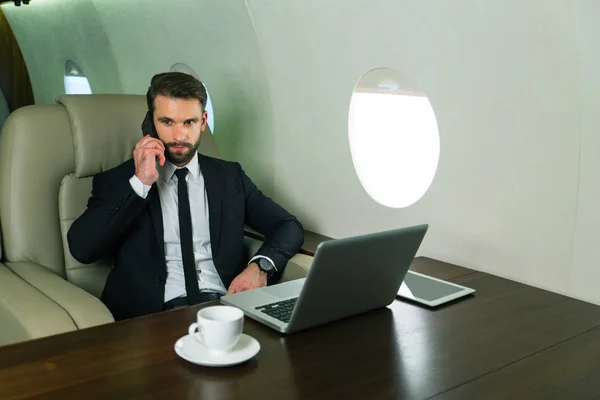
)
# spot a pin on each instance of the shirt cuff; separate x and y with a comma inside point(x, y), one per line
point(265, 257)
point(138, 187)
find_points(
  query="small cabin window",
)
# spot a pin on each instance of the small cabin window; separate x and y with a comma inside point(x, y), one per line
point(75, 81)
point(180, 67)
point(394, 138)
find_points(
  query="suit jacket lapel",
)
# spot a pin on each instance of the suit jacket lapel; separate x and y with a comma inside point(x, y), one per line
point(157, 220)
point(214, 191)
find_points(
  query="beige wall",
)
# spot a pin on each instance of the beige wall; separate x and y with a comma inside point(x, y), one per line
point(513, 84)
point(584, 274)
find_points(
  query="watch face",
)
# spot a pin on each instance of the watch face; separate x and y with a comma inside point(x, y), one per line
point(264, 264)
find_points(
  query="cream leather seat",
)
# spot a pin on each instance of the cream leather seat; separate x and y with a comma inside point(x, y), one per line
point(26, 313)
point(48, 157)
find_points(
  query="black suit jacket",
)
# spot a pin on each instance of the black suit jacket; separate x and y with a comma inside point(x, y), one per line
point(120, 225)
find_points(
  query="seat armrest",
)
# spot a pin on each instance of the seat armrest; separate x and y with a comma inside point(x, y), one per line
point(309, 247)
point(85, 309)
point(26, 313)
point(296, 268)
point(252, 245)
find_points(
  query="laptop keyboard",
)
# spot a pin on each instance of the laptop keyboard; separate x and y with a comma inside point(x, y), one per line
point(281, 310)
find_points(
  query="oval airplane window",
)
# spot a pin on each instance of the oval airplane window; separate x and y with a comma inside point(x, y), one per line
point(180, 67)
point(75, 81)
point(394, 138)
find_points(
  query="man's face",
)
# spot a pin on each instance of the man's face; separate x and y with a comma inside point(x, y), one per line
point(179, 123)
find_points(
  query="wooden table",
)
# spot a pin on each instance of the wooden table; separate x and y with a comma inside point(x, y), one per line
point(509, 341)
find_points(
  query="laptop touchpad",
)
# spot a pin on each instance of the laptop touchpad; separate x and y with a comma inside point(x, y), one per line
point(284, 290)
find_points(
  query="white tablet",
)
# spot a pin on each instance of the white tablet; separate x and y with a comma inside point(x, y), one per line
point(430, 291)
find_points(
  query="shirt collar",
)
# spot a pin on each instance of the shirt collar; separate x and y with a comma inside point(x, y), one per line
point(167, 171)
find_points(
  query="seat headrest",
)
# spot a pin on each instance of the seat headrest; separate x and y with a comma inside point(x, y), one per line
point(105, 129)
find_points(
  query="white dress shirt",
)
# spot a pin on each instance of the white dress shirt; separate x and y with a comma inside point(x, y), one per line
point(208, 277)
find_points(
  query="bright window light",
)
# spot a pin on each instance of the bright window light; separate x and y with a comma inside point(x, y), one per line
point(75, 80)
point(77, 85)
point(211, 114)
point(395, 145)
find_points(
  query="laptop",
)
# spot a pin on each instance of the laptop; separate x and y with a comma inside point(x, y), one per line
point(347, 277)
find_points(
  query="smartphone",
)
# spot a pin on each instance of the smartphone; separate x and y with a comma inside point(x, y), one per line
point(148, 127)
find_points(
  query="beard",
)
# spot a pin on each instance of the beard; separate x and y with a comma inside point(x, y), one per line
point(181, 157)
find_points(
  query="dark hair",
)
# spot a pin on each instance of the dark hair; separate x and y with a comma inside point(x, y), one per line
point(176, 85)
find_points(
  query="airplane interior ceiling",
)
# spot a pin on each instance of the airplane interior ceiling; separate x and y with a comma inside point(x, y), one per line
point(513, 83)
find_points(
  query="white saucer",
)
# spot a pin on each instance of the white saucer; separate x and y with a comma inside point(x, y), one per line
point(191, 350)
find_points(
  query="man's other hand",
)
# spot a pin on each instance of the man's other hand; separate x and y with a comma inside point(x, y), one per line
point(147, 152)
point(250, 278)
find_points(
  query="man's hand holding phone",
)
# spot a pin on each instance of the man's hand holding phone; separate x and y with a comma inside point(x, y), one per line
point(147, 151)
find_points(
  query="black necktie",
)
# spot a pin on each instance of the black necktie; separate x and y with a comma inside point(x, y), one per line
point(186, 237)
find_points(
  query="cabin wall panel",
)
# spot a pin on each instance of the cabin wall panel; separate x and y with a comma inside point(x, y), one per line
point(585, 272)
point(50, 32)
point(503, 78)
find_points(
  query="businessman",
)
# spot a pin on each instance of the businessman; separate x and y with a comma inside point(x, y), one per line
point(172, 220)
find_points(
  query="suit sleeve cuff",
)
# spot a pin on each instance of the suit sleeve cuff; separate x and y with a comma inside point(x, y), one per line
point(138, 187)
point(265, 257)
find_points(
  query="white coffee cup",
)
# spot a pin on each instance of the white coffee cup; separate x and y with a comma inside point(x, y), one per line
point(219, 327)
